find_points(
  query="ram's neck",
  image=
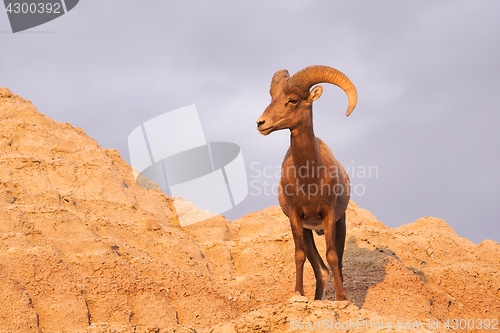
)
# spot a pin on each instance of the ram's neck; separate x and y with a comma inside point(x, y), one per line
point(304, 146)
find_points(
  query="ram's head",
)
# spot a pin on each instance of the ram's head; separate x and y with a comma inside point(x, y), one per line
point(292, 97)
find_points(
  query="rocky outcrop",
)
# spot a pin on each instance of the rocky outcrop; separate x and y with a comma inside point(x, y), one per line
point(82, 244)
point(84, 249)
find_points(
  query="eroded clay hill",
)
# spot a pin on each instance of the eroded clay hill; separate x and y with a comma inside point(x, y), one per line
point(84, 249)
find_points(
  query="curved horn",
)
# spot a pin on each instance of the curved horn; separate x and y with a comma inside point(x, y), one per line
point(278, 77)
point(304, 79)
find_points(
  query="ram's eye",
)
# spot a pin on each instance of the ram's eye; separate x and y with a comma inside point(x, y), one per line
point(292, 101)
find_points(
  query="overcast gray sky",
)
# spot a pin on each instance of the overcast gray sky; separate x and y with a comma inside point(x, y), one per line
point(427, 75)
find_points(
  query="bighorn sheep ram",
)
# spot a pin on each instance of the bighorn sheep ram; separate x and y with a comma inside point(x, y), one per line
point(314, 189)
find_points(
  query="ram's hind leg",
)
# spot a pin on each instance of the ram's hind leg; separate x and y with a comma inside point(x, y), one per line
point(319, 267)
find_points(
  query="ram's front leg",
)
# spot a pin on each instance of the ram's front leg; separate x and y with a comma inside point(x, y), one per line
point(300, 250)
point(333, 253)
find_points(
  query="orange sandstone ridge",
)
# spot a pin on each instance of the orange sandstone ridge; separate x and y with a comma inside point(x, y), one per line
point(84, 249)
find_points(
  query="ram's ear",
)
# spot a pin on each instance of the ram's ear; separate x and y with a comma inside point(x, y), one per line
point(315, 94)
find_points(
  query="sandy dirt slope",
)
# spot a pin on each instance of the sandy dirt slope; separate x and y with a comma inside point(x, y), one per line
point(84, 249)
